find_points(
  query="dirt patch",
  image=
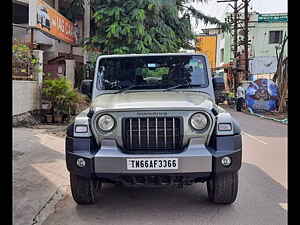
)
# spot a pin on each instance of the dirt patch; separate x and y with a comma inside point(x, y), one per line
point(17, 155)
point(57, 130)
point(28, 119)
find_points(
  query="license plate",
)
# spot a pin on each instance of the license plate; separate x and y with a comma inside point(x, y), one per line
point(152, 164)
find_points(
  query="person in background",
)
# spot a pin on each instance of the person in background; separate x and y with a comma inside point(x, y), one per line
point(240, 94)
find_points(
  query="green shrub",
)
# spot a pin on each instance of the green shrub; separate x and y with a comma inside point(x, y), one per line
point(63, 97)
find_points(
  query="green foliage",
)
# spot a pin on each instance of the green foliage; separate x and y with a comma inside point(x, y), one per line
point(143, 26)
point(61, 94)
point(159, 72)
point(23, 62)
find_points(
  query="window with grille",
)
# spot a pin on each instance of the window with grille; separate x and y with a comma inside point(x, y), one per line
point(275, 37)
point(222, 54)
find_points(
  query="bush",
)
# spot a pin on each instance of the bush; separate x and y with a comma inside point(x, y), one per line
point(63, 97)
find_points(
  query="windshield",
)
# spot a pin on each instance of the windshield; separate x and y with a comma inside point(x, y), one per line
point(152, 72)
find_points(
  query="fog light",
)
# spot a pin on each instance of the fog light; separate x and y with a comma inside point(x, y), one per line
point(226, 161)
point(80, 162)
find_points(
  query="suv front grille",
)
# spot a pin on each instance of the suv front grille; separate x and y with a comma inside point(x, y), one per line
point(152, 135)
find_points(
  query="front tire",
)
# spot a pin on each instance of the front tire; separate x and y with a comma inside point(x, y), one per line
point(222, 189)
point(84, 191)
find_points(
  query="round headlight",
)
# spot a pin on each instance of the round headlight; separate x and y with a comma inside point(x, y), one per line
point(199, 121)
point(106, 123)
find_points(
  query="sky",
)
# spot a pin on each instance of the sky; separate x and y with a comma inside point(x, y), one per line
point(212, 8)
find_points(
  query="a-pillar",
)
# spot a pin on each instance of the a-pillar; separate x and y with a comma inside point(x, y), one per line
point(70, 70)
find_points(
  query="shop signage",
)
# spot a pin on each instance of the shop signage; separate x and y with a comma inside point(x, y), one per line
point(272, 18)
point(47, 19)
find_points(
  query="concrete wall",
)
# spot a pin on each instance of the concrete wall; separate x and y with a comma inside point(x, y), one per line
point(70, 70)
point(25, 96)
point(78, 51)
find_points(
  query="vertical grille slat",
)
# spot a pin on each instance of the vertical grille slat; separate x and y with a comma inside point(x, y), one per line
point(165, 131)
point(173, 132)
point(139, 129)
point(130, 132)
point(148, 138)
point(152, 134)
point(156, 135)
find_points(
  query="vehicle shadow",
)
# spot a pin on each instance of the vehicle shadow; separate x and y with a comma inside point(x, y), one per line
point(259, 201)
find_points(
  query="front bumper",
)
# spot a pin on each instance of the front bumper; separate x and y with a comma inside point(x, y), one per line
point(109, 161)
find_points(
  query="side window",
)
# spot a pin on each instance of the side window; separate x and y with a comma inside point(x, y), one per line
point(275, 37)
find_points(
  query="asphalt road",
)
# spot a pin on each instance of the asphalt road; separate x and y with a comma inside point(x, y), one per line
point(262, 196)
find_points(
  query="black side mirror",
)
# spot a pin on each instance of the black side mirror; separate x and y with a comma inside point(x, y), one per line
point(86, 87)
point(218, 84)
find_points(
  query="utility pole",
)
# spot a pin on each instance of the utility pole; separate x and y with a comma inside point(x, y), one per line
point(235, 46)
point(234, 21)
point(235, 28)
point(246, 38)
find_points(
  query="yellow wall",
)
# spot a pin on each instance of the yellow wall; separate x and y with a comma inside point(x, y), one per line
point(208, 46)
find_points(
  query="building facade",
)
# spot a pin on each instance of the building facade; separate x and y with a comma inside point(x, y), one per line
point(266, 33)
point(42, 24)
point(207, 44)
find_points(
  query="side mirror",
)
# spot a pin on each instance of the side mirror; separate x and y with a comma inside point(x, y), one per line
point(218, 84)
point(86, 87)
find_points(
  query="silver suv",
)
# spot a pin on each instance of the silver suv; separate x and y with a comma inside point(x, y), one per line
point(153, 121)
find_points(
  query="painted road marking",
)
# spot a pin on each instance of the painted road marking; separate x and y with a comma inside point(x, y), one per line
point(255, 138)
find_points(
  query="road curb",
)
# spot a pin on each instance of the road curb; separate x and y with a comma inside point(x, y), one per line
point(284, 121)
point(49, 207)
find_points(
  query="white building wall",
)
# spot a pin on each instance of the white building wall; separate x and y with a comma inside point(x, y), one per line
point(220, 45)
point(25, 96)
point(260, 37)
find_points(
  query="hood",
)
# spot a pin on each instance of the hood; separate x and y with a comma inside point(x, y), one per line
point(153, 101)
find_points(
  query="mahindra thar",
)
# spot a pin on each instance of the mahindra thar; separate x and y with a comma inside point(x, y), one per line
point(153, 121)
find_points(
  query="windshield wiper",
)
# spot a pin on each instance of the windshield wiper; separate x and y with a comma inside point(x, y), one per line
point(129, 87)
point(181, 85)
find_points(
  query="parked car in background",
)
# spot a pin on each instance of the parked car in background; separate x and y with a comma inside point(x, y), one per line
point(219, 87)
point(153, 121)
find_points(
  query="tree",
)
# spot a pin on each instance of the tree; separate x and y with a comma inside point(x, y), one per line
point(143, 26)
point(281, 74)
